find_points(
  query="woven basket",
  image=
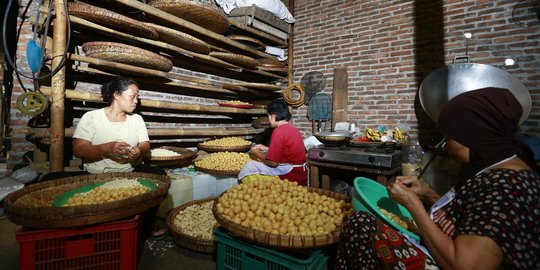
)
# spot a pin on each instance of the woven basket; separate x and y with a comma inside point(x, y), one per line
point(185, 240)
point(203, 14)
point(270, 62)
point(218, 172)
point(252, 42)
point(261, 86)
point(237, 59)
point(126, 54)
point(112, 19)
point(183, 153)
point(212, 149)
point(43, 215)
point(282, 241)
point(181, 39)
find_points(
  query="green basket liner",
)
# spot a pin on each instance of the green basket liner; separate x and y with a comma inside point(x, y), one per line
point(63, 198)
point(370, 195)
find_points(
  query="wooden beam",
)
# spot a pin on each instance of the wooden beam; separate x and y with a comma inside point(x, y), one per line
point(58, 89)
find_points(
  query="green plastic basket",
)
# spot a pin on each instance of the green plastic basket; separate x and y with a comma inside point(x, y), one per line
point(370, 195)
point(235, 254)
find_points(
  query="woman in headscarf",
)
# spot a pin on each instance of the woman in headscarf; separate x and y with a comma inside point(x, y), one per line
point(489, 219)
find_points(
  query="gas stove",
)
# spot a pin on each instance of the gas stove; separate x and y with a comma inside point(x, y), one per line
point(384, 158)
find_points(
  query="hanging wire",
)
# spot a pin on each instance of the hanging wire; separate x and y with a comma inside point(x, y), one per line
point(14, 64)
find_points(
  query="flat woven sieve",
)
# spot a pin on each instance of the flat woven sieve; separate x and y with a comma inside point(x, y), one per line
point(112, 19)
point(181, 39)
point(202, 14)
point(126, 54)
point(237, 59)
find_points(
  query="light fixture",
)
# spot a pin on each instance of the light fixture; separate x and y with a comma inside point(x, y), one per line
point(467, 36)
point(509, 62)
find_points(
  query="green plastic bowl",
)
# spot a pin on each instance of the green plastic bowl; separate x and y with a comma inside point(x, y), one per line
point(370, 195)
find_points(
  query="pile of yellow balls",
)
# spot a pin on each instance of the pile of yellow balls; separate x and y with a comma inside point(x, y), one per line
point(282, 207)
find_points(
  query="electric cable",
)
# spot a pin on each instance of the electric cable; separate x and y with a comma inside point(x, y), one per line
point(14, 65)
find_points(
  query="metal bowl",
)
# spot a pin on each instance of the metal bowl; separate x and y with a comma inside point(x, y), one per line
point(447, 82)
point(333, 138)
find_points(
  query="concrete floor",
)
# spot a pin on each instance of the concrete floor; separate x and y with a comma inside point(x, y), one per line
point(156, 254)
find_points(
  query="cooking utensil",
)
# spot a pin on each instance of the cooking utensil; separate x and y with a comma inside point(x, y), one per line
point(320, 110)
point(447, 82)
point(334, 138)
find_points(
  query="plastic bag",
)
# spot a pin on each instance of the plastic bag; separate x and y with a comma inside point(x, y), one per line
point(9, 185)
point(25, 175)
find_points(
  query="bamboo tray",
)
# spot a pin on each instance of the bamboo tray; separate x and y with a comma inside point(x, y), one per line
point(112, 19)
point(42, 213)
point(237, 59)
point(202, 14)
point(218, 172)
point(185, 240)
point(212, 149)
point(283, 241)
point(183, 153)
point(181, 39)
point(126, 54)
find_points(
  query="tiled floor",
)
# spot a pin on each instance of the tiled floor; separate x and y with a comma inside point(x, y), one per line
point(156, 254)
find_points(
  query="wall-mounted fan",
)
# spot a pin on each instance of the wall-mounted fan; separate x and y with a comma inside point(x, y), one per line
point(312, 82)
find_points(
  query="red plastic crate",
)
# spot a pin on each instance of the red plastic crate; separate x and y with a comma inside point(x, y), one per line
point(111, 245)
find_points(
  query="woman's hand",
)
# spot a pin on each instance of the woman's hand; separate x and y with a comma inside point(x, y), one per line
point(403, 192)
point(134, 153)
point(118, 151)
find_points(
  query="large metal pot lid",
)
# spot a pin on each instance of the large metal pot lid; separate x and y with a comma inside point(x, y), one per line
point(447, 82)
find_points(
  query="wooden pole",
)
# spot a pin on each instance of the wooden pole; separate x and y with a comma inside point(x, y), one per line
point(58, 89)
point(189, 25)
point(290, 50)
point(339, 96)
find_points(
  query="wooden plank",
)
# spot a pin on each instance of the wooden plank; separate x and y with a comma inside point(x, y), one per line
point(86, 96)
point(339, 96)
point(39, 133)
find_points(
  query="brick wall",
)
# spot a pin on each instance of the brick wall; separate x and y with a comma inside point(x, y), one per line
point(389, 47)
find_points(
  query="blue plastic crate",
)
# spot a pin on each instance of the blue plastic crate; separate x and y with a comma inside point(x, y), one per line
point(235, 254)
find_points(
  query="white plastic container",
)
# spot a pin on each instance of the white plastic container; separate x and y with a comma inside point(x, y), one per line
point(181, 191)
point(204, 185)
point(225, 183)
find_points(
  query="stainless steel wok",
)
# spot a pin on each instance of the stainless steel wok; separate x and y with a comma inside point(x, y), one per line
point(447, 82)
point(333, 138)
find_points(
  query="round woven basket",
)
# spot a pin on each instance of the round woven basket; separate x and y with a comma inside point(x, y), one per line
point(202, 14)
point(183, 153)
point(260, 86)
point(42, 214)
point(283, 241)
point(237, 59)
point(112, 19)
point(126, 54)
point(252, 42)
point(181, 39)
point(218, 172)
point(185, 240)
point(212, 149)
point(270, 63)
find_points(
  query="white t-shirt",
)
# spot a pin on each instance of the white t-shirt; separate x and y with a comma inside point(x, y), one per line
point(95, 127)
